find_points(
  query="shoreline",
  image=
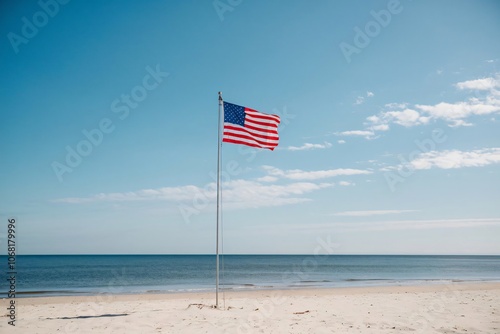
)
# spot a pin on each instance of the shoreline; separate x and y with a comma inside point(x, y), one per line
point(248, 288)
point(457, 286)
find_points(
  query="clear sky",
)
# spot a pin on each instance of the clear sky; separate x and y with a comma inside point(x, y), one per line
point(389, 141)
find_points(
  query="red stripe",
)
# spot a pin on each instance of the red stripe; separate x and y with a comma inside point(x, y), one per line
point(244, 133)
point(260, 142)
point(263, 115)
point(246, 136)
point(247, 144)
point(249, 140)
point(251, 131)
point(248, 126)
point(270, 135)
point(274, 125)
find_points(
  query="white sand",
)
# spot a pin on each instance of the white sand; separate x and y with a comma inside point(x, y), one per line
point(457, 308)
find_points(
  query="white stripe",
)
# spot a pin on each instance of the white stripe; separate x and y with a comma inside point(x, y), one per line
point(269, 141)
point(263, 133)
point(250, 141)
point(275, 117)
point(255, 119)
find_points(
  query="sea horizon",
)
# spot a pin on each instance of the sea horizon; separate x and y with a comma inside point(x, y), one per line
point(250, 254)
point(92, 274)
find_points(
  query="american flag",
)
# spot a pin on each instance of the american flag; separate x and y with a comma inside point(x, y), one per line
point(249, 127)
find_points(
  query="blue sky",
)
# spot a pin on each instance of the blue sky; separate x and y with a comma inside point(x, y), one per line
point(389, 141)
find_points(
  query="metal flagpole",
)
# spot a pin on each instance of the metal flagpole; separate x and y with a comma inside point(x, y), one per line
point(219, 143)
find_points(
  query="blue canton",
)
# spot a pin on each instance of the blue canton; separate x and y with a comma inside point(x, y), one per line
point(234, 114)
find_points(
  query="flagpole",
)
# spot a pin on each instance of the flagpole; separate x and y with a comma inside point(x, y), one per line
point(219, 143)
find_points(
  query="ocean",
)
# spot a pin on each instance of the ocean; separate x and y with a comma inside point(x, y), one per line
point(44, 275)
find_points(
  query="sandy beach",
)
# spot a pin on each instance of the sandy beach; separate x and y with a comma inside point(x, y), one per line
point(451, 308)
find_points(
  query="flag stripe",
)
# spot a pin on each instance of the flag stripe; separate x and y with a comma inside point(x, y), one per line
point(251, 131)
point(249, 139)
point(261, 128)
point(256, 133)
point(258, 118)
point(259, 114)
point(257, 122)
point(243, 134)
point(248, 143)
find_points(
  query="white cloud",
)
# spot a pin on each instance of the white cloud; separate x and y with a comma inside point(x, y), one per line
point(479, 84)
point(341, 141)
point(417, 224)
point(363, 133)
point(403, 224)
point(371, 213)
point(267, 178)
point(459, 110)
point(455, 114)
point(388, 168)
point(297, 174)
point(308, 146)
point(238, 194)
point(396, 105)
point(373, 119)
point(380, 127)
point(406, 118)
point(167, 194)
point(346, 183)
point(250, 194)
point(361, 99)
point(456, 159)
point(459, 122)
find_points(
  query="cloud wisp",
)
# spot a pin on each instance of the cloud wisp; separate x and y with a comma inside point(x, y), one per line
point(368, 134)
point(278, 187)
point(454, 113)
point(456, 159)
point(309, 146)
point(361, 99)
point(485, 101)
point(419, 224)
point(237, 194)
point(367, 213)
point(297, 174)
point(394, 225)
